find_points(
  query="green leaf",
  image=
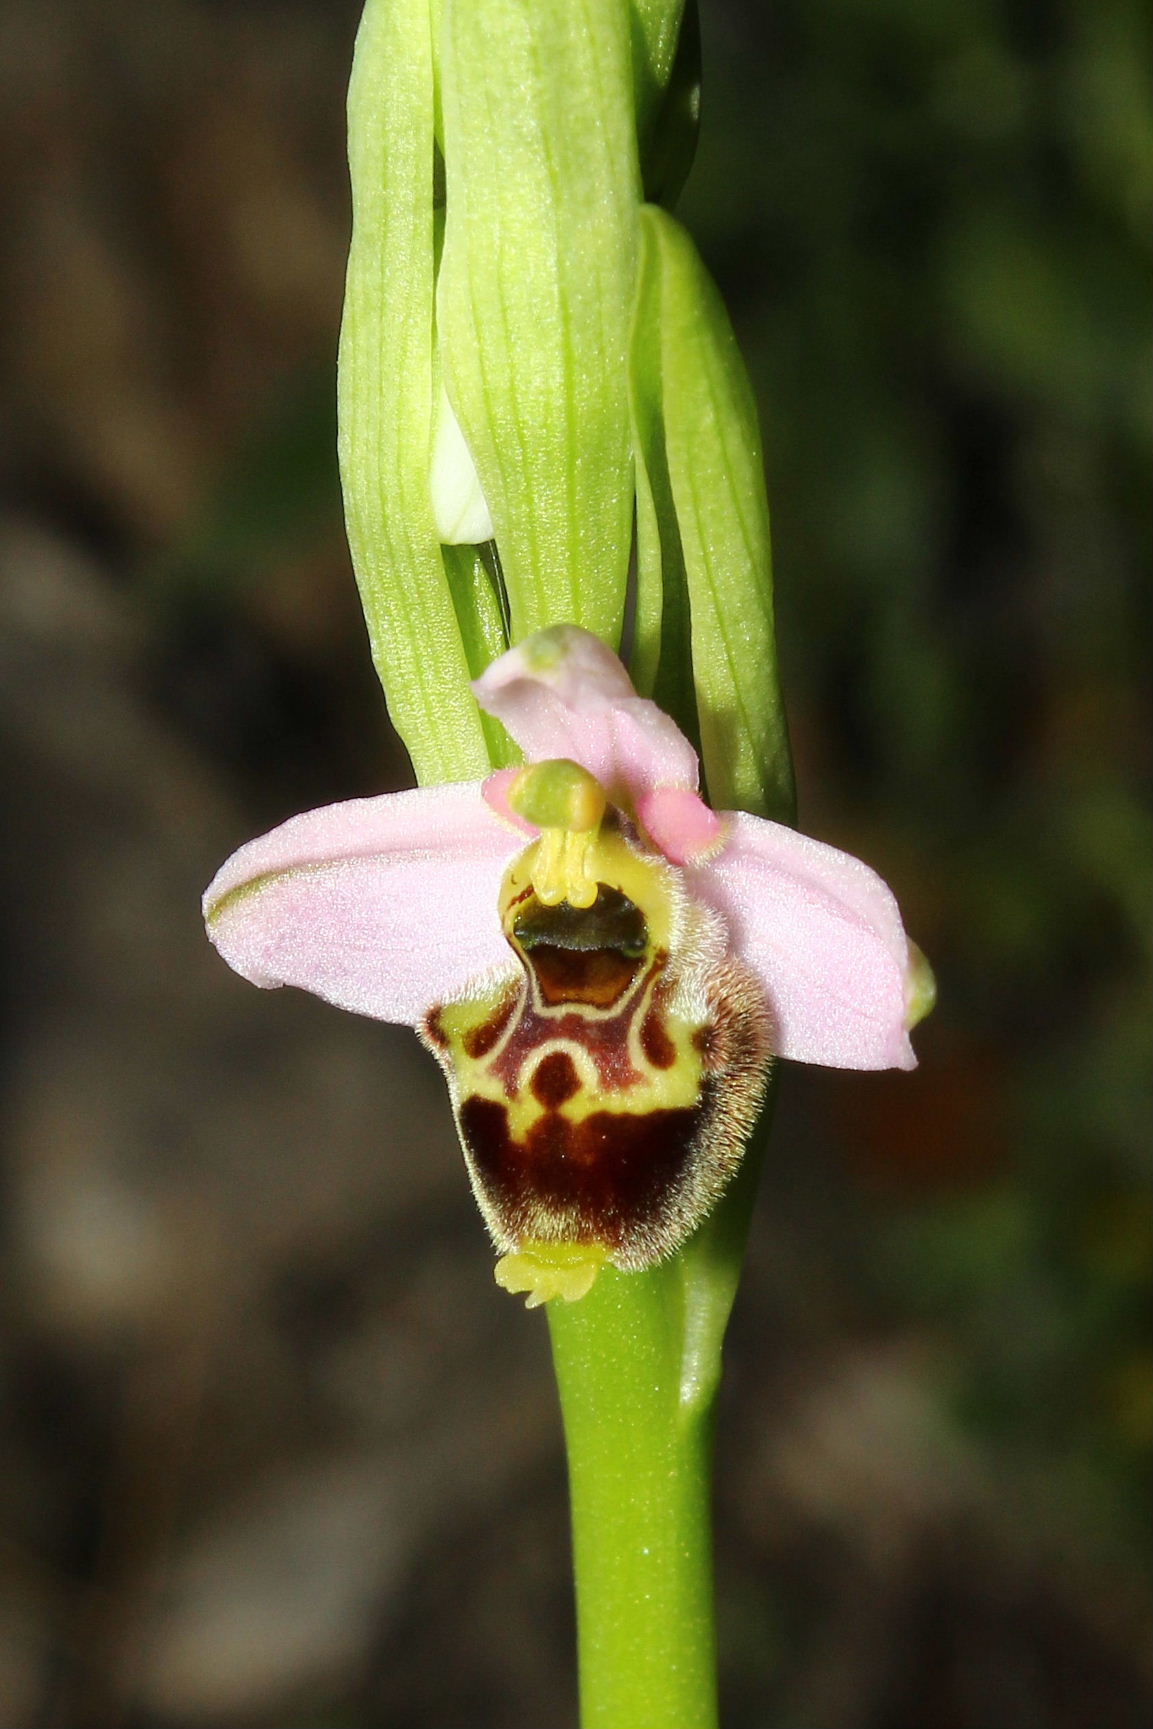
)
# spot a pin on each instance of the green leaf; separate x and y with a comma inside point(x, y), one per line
point(386, 397)
point(656, 34)
point(662, 665)
point(710, 1268)
point(667, 69)
point(535, 291)
point(704, 617)
point(690, 362)
point(475, 580)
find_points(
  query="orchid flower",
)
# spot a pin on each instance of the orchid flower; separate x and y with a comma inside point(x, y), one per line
point(603, 966)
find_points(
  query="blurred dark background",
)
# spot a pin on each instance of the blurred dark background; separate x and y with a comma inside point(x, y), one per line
point(274, 1452)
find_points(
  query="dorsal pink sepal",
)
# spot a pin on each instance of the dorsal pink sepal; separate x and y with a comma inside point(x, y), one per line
point(563, 694)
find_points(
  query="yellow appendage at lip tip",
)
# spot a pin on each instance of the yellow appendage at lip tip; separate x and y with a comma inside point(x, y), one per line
point(543, 1271)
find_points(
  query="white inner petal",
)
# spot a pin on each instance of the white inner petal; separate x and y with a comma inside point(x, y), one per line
point(458, 504)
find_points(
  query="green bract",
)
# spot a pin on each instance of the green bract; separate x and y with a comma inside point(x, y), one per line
point(387, 398)
point(515, 306)
point(535, 292)
point(703, 553)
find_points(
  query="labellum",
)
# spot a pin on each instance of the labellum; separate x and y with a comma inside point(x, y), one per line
point(603, 1096)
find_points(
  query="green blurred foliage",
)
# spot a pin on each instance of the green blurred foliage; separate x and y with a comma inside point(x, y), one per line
point(931, 222)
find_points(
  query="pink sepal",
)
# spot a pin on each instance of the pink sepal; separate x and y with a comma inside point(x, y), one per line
point(823, 933)
point(562, 693)
point(384, 906)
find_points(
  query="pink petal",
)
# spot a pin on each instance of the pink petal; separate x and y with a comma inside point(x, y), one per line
point(824, 934)
point(382, 905)
point(562, 693)
point(680, 823)
point(495, 791)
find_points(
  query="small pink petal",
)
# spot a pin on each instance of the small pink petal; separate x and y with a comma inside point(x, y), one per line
point(495, 791)
point(384, 906)
point(680, 823)
point(824, 935)
point(562, 693)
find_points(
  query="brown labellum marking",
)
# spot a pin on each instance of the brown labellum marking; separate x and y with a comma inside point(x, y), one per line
point(598, 977)
point(604, 1037)
point(588, 955)
point(434, 1031)
point(555, 1080)
point(601, 1180)
point(481, 1040)
point(656, 1044)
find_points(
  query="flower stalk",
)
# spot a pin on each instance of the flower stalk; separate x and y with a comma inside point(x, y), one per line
point(639, 1449)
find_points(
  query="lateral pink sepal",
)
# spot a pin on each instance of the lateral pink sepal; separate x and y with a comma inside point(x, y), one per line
point(384, 906)
point(823, 933)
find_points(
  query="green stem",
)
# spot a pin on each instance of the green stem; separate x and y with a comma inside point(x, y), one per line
point(638, 1363)
point(639, 1446)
